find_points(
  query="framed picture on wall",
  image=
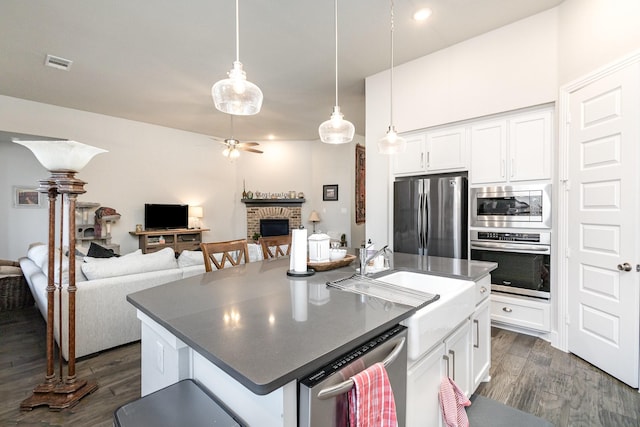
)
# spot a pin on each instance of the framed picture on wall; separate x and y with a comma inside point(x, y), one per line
point(330, 192)
point(26, 197)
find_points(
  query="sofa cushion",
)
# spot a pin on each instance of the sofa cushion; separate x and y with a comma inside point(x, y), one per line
point(111, 267)
point(189, 258)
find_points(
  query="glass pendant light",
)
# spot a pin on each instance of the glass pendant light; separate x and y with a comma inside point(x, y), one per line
point(237, 95)
point(392, 143)
point(336, 130)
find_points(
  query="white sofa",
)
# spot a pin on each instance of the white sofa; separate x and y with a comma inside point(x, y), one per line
point(104, 318)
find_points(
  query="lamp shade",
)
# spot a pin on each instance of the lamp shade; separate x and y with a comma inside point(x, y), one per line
point(62, 156)
point(392, 143)
point(314, 217)
point(196, 211)
point(336, 130)
point(236, 95)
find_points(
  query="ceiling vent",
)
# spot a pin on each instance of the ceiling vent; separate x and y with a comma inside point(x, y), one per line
point(57, 62)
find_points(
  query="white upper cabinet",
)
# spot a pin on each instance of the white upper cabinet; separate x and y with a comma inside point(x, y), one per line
point(443, 150)
point(513, 148)
point(412, 161)
point(447, 150)
point(488, 152)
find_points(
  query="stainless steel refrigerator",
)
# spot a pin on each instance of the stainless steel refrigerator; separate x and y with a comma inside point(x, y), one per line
point(430, 215)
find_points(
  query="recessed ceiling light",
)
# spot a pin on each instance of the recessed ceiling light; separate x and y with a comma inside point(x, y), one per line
point(422, 14)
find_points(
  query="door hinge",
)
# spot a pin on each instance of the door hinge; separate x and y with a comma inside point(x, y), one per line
point(638, 267)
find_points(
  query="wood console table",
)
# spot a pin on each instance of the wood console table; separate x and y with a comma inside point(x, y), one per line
point(177, 239)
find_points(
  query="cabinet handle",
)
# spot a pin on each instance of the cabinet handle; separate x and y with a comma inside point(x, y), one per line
point(422, 160)
point(477, 343)
point(428, 159)
point(446, 358)
point(513, 168)
point(502, 168)
point(483, 290)
point(453, 362)
point(506, 309)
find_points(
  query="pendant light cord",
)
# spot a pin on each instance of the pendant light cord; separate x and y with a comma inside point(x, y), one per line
point(237, 33)
point(336, 34)
point(391, 73)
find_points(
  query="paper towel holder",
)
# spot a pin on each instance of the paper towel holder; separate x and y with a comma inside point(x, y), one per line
point(309, 272)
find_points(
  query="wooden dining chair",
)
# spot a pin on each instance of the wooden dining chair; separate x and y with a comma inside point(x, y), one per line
point(272, 246)
point(235, 252)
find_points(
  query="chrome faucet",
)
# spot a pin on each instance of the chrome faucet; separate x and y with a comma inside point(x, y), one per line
point(364, 260)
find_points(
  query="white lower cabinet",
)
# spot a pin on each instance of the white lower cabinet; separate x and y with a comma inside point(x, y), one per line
point(452, 357)
point(519, 311)
point(481, 352)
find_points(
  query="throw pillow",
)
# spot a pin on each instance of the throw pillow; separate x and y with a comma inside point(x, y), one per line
point(97, 251)
point(38, 253)
point(189, 258)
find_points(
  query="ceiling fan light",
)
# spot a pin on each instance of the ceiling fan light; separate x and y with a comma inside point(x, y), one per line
point(336, 130)
point(226, 152)
point(392, 143)
point(237, 95)
point(234, 154)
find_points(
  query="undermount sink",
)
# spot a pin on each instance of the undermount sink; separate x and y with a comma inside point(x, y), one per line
point(431, 324)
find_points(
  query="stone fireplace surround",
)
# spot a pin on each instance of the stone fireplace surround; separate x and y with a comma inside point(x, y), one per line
point(256, 213)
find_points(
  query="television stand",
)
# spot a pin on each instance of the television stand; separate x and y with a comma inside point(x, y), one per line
point(178, 239)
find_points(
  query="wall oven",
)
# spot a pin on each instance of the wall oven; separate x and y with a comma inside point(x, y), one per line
point(523, 260)
point(511, 206)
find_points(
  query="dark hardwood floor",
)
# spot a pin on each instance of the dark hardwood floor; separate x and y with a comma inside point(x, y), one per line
point(526, 373)
point(530, 375)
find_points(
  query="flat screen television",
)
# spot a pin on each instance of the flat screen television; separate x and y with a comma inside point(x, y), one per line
point(165, 216)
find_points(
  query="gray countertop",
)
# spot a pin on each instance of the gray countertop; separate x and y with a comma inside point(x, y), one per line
point(266, 329)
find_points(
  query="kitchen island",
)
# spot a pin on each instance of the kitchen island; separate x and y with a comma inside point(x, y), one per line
point(248, 333)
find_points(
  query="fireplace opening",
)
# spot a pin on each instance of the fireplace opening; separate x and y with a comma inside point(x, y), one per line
point(274, 227)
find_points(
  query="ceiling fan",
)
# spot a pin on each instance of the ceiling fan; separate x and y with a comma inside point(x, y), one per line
point(233, 146)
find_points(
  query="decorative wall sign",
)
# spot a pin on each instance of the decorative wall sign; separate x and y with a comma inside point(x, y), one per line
point(26, 197)
point(361, 199)
point(330, 192)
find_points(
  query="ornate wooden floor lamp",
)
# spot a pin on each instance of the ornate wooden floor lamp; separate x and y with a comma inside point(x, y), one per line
point(63, 159)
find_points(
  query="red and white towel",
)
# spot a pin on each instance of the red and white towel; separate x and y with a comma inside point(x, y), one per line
point(452, 402)
point(371, 400)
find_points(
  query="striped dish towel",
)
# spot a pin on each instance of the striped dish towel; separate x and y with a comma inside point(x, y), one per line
point(452, 402)
point(371, 400)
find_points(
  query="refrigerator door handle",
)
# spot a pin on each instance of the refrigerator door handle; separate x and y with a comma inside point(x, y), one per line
point(419, 222)
point(427, 222)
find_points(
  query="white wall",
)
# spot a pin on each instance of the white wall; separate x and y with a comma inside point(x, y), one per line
point(149, 163)
point(512, 67)
point(593, 33)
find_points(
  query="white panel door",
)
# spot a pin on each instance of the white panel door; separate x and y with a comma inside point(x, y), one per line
point(603, 298)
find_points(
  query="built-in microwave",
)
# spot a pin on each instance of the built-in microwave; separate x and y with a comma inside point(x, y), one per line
point(511, 206)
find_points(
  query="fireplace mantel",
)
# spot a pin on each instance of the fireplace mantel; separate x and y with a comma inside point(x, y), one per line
point(273, 202)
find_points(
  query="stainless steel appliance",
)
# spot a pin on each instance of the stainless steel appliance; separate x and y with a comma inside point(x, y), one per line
point(430, 216)
point(323, 394)
point(519, 206)
point(523, 260)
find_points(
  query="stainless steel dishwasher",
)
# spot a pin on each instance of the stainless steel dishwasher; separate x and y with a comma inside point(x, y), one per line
point(323, 394)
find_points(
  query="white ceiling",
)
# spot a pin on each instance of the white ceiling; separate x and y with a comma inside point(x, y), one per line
point(155, 60)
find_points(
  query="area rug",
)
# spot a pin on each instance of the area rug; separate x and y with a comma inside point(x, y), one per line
point(487, 412)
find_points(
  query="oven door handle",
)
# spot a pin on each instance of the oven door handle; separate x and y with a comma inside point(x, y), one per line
point(510, 247)
point(347, 385)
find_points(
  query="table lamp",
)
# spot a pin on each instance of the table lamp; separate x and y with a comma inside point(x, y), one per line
point(314, 217)
point(196, 212)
